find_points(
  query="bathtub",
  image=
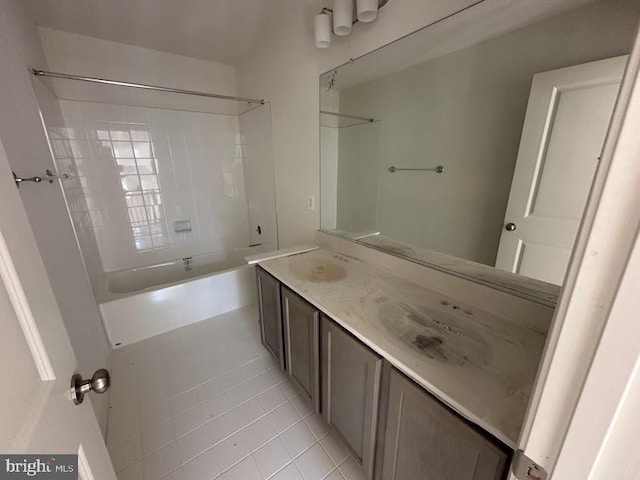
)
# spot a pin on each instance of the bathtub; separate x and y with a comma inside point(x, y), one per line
point(142, 302)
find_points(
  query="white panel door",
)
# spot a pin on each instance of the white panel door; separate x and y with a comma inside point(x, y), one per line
point(567, 118)
point(37, 415)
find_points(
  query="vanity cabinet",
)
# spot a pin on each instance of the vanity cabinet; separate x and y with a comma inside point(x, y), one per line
point(351, 374)
point(394, 428)
point(301, 327)
point(423, 440)
point(269, 307)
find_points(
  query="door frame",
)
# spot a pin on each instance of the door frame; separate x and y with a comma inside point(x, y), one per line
point(589, 304)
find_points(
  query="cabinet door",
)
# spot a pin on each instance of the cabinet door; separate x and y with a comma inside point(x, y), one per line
point(426, 441)
point(270, 314)
point(302, 345)
point(350, 391)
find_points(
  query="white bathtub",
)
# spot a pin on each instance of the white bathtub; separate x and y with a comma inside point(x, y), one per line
point(146, 301)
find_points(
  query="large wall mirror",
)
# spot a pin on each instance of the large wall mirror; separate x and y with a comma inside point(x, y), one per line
point(471, 145)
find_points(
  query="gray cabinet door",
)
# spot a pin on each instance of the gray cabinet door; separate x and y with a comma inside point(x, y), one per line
point(426, 441)
point(350, 391)
point(301, 324)
point(270, 314)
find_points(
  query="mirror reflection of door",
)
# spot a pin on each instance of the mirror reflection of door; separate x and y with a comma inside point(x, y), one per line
point(567, 118)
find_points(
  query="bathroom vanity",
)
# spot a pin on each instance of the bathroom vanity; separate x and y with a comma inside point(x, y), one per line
point(412, 380)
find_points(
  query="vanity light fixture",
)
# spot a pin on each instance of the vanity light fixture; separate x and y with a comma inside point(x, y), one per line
point(342, 17)
point(367, 10)
point(322, 29)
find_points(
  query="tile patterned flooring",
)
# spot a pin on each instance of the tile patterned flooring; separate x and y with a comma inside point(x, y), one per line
point(207, 401)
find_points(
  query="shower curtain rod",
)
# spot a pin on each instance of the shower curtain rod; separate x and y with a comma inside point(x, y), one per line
point(155, 88)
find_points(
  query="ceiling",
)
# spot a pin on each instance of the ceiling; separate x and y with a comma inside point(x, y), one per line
point(216, 30)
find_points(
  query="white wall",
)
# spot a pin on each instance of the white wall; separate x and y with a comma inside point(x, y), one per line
point(329, 176)
point(284, 69)
point(25, 142)
point(465, 111)
point(359, 158)
point(83, 55)
point(329, 131)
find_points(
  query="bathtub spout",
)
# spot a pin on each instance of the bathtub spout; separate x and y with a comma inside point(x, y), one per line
point(188, 263)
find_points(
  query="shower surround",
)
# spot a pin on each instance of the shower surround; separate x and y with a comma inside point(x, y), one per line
point(141, 169)
point(156, 178)
point(150, 189)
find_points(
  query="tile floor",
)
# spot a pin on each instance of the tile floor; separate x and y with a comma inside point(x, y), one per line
point(208, 401)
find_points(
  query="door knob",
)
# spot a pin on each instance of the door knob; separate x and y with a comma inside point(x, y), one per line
point(99, 383)
point(510, 227)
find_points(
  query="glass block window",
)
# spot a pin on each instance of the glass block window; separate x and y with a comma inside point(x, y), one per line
point(137, 167)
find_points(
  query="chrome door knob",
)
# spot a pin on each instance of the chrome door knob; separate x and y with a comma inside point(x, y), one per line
point(99, 383)
point(510, 227)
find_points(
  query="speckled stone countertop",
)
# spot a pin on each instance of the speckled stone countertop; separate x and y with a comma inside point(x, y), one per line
point(481, 365)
